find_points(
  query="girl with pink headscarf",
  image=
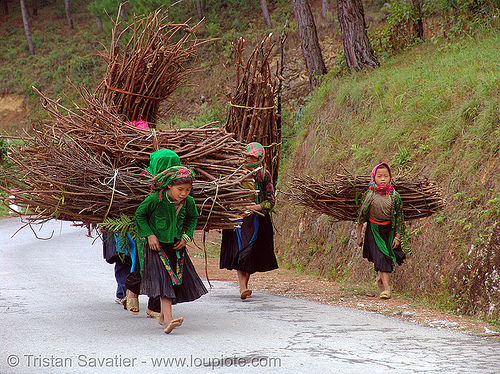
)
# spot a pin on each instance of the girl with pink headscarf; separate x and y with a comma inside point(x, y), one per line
point(382, 209)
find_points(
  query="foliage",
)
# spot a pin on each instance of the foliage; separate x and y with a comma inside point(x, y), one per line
point(4, 149)
point(453, 19)
point(122, 226)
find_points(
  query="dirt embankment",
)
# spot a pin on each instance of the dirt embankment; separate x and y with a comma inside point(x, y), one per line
point(14, 114)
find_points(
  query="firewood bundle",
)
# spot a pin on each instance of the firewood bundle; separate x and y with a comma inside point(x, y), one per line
point(85, 164)
point(341, 197)
point(145, 70)
point(54, 176)
point(210, 150)
point(254, 113)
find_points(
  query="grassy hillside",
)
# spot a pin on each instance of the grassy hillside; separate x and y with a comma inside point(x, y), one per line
point(61, 54)
point(434, 112)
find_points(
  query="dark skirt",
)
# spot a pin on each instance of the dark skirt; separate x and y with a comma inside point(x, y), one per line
point(255, 249)
point(157, 282)
point(372, 252)
point(109, 250)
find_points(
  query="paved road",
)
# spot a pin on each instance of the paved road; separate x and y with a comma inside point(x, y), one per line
point(58, 315)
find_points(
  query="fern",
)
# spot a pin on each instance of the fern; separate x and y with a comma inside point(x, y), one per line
point(122, 226)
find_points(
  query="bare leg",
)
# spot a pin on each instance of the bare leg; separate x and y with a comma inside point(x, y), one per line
point(386, 293)
point(131, 295)
point(166, 319)
point(166, 311)
point(243, 278)
point(384, 277)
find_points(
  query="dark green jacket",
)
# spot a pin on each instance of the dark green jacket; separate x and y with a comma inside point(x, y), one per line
point(158, 217)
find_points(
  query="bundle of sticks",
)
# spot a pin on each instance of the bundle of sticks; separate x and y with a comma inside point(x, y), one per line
point(145, 70)
point(86, 163)
point(254, 114)
point(341, 197)
point(210, 150)
point(54, 177)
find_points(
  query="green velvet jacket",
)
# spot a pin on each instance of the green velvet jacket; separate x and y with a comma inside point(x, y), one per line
point(159, 218)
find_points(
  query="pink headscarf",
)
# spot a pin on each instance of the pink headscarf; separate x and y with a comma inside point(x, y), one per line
point(141, 124)
point(382, 190)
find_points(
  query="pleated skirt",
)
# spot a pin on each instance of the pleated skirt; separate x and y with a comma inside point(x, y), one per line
point(249, 255)
point(373, 253)
point(157, 282)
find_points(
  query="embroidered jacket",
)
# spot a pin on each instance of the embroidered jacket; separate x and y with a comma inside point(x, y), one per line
point(265, 197)
point(397, 216)
point(159, 217)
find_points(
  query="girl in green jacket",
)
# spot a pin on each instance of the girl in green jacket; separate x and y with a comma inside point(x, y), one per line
point(168, 218)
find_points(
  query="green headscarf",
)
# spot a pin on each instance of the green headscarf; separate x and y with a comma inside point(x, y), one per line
point(161, 160)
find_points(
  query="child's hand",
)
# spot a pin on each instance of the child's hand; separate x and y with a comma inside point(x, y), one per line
point(360, 241)
point(180, 244)
point(396, 242)
point(154, 243)
point(252, 208)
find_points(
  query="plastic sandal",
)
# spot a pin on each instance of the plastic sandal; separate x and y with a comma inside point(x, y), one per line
point(151, 314)
point(173, 324)
point(245, 293)
point(133, 305)
point(385, 295)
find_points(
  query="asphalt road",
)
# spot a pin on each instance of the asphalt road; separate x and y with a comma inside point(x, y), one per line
point(58, 315)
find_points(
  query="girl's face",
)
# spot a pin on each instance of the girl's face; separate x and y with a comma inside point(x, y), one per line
point(250, 159)
point(382, 177)
point(179, 192)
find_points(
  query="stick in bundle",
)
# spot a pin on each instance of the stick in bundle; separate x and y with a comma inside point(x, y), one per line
point(341, 197)
point(253, 115)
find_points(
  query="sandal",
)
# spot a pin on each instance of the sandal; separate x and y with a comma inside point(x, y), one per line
point(385, 295)
point(245, 293)
point(132, 304)
point(151, 314)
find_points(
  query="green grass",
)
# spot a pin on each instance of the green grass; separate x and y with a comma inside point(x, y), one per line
point(61, 55)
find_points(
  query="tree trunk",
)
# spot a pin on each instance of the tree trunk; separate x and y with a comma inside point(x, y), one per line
point(35, 8)
point(199, 9)
point(324, 9)
point(124, 10)
point(68, 13)
point(309, 42)
point(358, 51)
point(265, 11)
point(27, 27)
point(99, 24)
point(5, 7)
point(418, 25)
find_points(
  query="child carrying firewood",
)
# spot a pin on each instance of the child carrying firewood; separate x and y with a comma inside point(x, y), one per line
point(382, 209)
point(168, 218)
point(250, 247)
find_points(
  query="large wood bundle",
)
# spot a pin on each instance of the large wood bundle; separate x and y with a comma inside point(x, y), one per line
point(341, 197)
point(56, 178)
point(85, 164)
point(145, 70)
point(209, 150)
point(254, 113)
